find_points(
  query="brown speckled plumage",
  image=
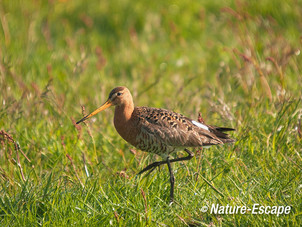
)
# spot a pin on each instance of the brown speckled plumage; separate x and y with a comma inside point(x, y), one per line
point(159, 131)
point(162, 131)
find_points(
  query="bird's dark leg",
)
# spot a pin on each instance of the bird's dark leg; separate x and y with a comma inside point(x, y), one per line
point(172, 180)
point(153, 165)
point(190, 156)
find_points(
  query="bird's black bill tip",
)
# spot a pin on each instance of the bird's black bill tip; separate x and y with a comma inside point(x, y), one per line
point(83, 119)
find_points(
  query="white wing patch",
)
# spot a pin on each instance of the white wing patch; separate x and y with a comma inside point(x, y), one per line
point(200, 125)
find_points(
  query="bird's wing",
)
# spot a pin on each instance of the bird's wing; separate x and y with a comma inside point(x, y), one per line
point(173, 129)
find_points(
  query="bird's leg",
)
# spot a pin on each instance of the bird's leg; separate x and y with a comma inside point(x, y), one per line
point(153, 165)
point(172, 180)
point(190, 156)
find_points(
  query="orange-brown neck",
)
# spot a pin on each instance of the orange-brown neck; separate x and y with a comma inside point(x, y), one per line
point(123, 121)
point(122, 114)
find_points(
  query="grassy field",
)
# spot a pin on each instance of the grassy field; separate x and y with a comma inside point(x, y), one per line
point(238, 63)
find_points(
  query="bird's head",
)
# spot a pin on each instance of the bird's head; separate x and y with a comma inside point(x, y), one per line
point(117, 97)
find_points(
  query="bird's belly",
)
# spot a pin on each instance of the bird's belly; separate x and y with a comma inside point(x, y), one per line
point(154, 145)
point(155, 148)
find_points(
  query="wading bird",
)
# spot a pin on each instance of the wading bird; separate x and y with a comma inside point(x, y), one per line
point(159, 131)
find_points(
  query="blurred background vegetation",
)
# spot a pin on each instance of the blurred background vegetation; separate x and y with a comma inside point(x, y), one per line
point(236, 62)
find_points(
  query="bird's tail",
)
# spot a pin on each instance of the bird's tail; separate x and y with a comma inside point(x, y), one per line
point(220, 133)
point(222, 129)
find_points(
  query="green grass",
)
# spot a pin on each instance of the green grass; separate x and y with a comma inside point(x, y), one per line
point(236, 62)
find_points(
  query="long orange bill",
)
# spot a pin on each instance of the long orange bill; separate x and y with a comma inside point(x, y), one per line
point(104, 106)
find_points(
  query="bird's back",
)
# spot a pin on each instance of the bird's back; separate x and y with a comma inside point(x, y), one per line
point(162, 131)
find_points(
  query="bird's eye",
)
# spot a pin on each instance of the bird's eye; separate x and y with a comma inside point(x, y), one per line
point(119, 94)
